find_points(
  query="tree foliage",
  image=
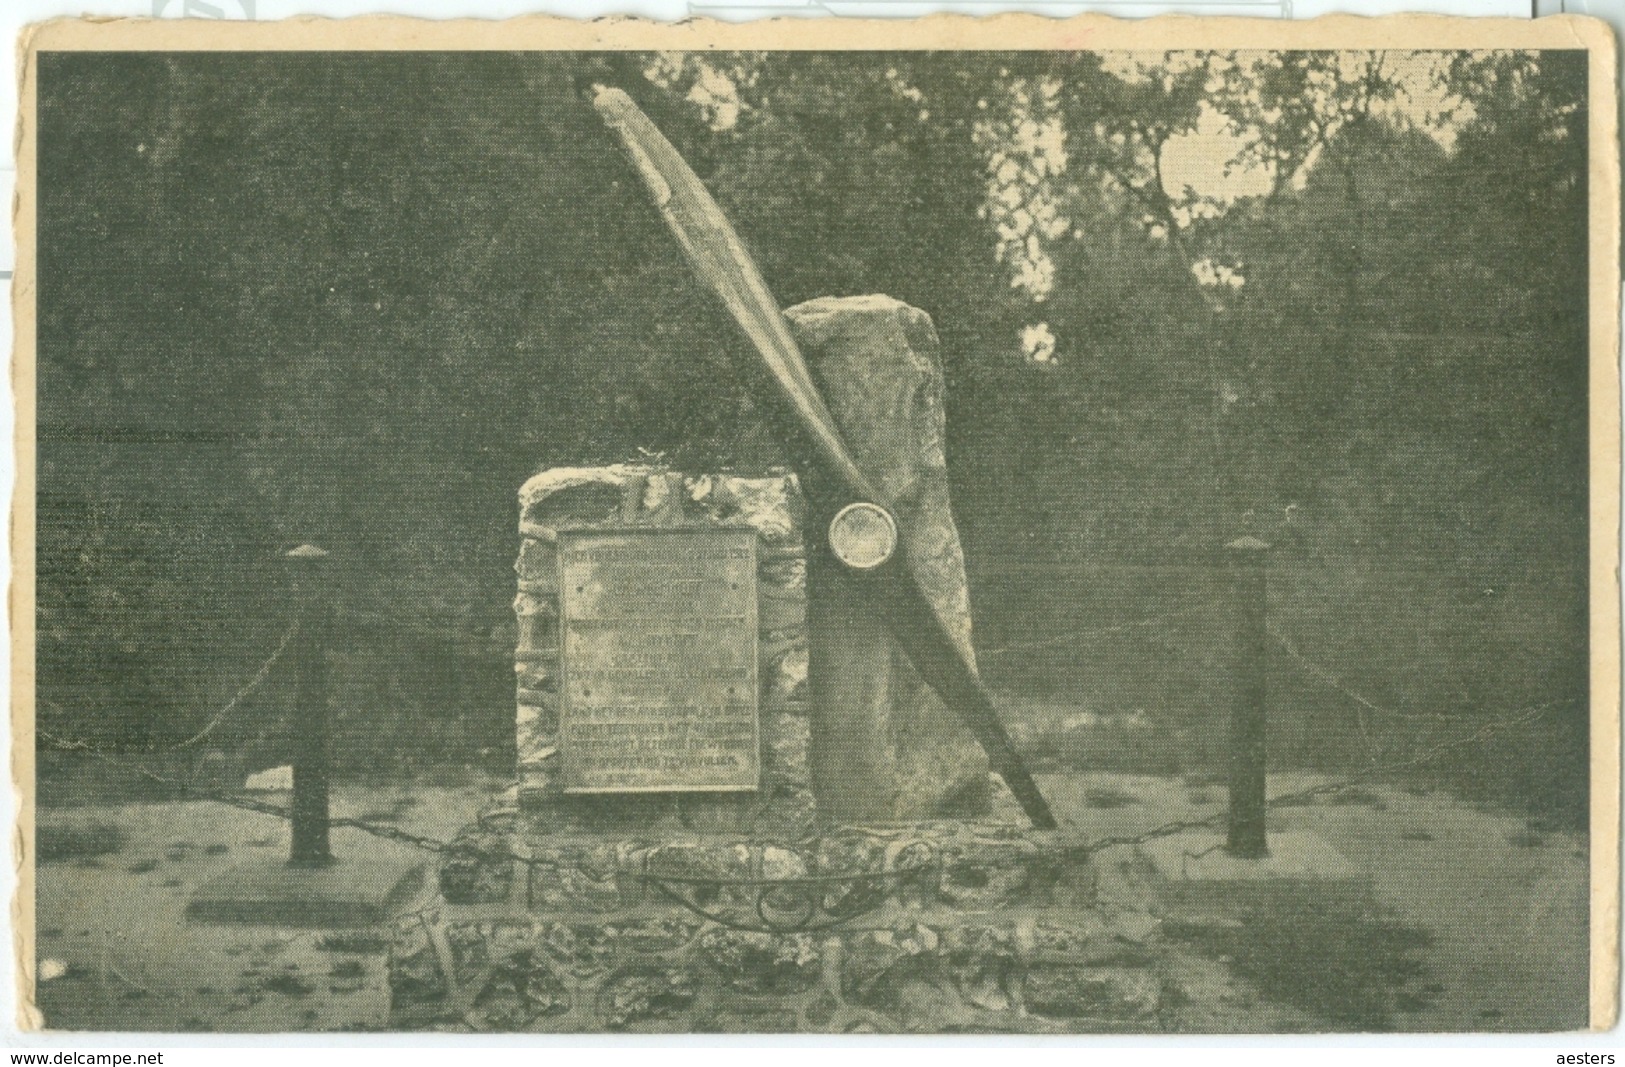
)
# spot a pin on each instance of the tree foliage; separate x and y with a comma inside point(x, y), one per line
point(1333, 298)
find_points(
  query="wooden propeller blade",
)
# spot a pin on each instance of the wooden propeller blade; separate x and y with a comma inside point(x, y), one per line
point(715, 252)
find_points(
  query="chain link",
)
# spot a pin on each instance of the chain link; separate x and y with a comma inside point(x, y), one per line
point(1090, 848)
point(1319, 673)
point(1086, 849)
point(1101, 631)
point(1331, 681)
point(1211, 822)
point(253, 684)
point(219, 717)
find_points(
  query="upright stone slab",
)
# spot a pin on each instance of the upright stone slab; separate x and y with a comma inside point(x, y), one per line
point(616, 508)
point(884, 746)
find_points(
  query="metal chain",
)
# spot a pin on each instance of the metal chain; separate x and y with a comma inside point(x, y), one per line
point(1327, 678)
point(502, 853)
point(1090, 848)
point(245, 803)
point(253, 684)
point(219, 716)
point(1483, 733)
point(1103, 631)
point(1316, 671)
point(232, 799)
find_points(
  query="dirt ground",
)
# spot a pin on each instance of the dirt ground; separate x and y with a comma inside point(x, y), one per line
point(1477, 922)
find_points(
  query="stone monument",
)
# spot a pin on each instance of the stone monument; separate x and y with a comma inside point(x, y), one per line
point(687, 638)
point(884, 744)
point(741, 807)
point(662, 652)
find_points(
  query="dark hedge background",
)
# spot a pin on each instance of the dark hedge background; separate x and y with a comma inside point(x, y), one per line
point(357, 299)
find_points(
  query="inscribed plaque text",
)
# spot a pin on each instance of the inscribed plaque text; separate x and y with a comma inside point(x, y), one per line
point(659, 675)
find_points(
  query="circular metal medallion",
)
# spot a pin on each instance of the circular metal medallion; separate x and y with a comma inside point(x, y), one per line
point(863, 536)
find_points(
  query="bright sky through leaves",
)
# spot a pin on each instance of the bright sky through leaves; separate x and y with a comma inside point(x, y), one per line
point(1193, 134)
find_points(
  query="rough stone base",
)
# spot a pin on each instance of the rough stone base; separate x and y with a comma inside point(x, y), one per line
point(935, 928)
point(670, 974)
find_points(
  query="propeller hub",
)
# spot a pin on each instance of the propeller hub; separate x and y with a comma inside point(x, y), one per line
point(863, 536)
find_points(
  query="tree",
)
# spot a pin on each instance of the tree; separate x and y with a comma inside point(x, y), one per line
point(358, 300)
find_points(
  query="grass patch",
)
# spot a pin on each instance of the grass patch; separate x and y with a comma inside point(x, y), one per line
point(1351, 796)
point(360, 944)
point(1109, 798)
point(56, 841)
point(1352, 968)
point(1358, 796)
point(288, 985)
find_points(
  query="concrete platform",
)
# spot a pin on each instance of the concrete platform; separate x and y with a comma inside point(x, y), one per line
point(1196, 869)
point(365, 886)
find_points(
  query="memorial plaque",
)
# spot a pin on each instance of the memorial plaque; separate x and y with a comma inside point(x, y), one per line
point(658, 688)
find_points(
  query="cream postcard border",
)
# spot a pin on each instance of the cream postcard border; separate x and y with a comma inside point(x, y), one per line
point(939, 32)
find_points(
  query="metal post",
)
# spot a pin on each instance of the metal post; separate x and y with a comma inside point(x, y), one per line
point(1247, 560)
point(310, 759)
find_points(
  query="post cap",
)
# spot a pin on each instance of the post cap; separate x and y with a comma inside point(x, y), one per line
point(1246, 544)
point(306, 552)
